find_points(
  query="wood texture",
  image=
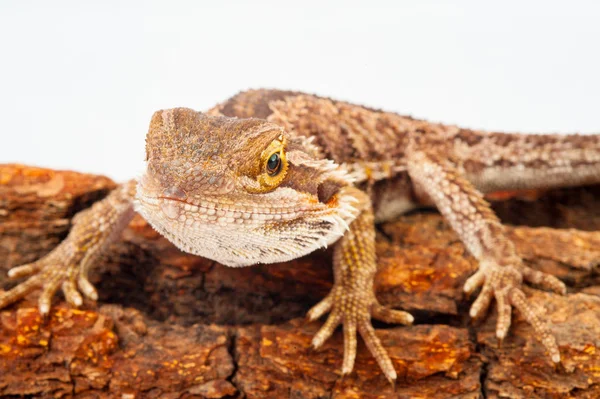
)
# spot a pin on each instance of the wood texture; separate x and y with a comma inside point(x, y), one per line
point(174, 325)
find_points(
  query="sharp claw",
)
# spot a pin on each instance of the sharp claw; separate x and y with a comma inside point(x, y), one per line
point(44, 308)
point(76, 301)
point(391, 376)
point(556, 358)
point(500, 334)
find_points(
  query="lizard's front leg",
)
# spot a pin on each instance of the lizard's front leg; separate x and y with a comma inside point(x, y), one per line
point(352, 301)
point(67, 265)
point(501, 271)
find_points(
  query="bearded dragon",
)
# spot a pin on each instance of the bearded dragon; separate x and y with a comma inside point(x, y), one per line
point(269, 176)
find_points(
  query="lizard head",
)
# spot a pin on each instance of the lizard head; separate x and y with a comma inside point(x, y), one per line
point(239, 191)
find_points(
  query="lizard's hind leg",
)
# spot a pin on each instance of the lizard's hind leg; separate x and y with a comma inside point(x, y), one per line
point(67, 265)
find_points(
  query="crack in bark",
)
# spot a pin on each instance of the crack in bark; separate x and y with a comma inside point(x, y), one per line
point(232, 336)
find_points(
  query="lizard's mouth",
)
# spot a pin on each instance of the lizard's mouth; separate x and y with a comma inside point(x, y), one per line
point(208, 211)
point(241, 209)
point(235, 235)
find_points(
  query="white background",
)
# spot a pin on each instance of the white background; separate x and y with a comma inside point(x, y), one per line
point(80, 80)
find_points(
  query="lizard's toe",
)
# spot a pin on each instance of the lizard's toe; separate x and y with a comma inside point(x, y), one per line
point(475, 281)
point(531, 315)
point(544, 280)
point(482, 303)
point(87, 288)
point(391, 316)
point(72, 296)
point(504, 314)
point(377, 350)
point(326, 330)
point(49, 288)
point(24, 270)
point(349, 346)
point(20, 290)
point(320, 308)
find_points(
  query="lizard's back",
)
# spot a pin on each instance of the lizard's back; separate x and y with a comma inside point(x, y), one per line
point(372, 144)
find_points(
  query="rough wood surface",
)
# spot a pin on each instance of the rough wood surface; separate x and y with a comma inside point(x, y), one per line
point(171, 325)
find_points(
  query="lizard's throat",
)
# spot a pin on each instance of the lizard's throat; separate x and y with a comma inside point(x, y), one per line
point(235, 235)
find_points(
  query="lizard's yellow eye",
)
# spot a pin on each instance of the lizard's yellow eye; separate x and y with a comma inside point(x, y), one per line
point(274, 165)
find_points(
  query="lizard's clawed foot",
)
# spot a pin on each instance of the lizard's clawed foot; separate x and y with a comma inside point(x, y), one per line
point(63, 267)
point(503, 284)
point(354, 310)
point(67, 265)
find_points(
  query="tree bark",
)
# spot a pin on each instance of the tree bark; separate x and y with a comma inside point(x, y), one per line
point(172, 325)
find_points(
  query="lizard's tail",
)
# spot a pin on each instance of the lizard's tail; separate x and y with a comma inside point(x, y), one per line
point(501, 161)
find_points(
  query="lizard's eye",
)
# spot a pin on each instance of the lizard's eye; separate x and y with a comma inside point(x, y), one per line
point(274, 164)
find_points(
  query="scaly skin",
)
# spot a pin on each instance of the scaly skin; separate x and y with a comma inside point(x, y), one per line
point(214, 187)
